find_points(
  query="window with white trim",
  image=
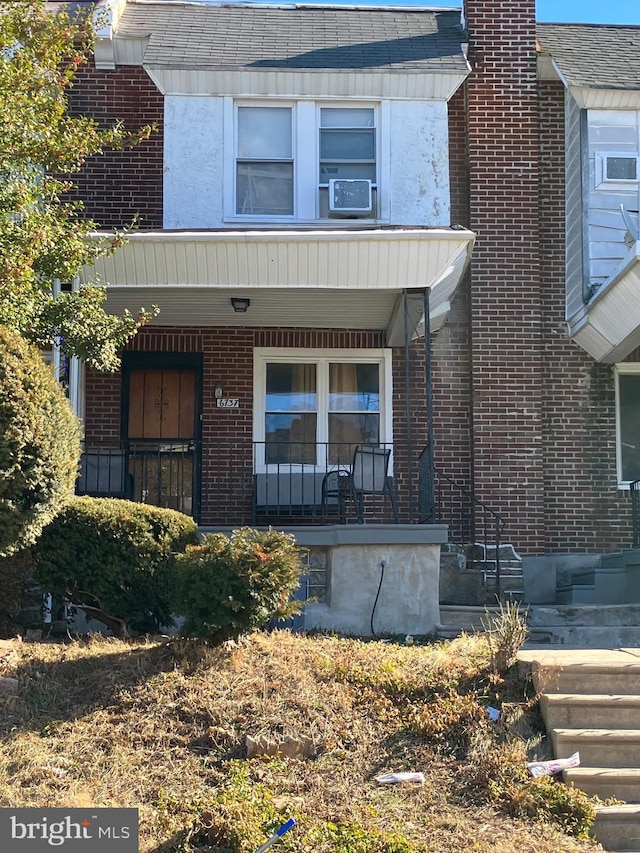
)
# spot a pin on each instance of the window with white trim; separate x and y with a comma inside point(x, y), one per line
point(628, 421)
point(264, 161)
point(284, 156)
point(615, 170)
point(347, 148)
point(315, 409)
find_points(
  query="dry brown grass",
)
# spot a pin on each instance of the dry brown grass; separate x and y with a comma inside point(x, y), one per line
point(161, 726)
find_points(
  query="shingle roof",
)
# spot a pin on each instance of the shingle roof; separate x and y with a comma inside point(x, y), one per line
point(594, 55)
point(312, 37)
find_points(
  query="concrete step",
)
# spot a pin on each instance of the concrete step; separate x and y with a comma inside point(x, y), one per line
point(547, 615)
point(617, 828)
point(577, 710)
point(456, 615)
point(604, 782)
point(588, 636)
point(602, 626)
point(589, 678)
point(456, 619)
point(599, 747)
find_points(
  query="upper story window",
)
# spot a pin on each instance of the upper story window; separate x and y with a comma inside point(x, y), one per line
point(615, 170)
point(347, 151)
point(287, 156)
point(264, 161)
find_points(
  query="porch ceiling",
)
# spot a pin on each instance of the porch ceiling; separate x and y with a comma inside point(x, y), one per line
point(608, 326)
point(336, 278)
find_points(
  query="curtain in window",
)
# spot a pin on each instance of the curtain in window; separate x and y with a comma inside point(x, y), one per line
point(354, 409)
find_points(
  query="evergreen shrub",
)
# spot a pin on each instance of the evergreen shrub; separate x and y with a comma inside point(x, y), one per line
point(39, 443)
point(115, 559)
point(230, 586)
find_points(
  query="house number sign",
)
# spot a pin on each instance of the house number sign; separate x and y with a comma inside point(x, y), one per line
point(228, 403)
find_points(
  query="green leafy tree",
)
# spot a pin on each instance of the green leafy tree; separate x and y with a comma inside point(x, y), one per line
point(43, 233)
point(39, 443)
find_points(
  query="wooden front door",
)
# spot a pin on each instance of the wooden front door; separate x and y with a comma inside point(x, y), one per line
point(161, 431)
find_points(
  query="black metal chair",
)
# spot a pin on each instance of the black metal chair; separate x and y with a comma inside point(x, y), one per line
point(368, 475)
point(336, 487)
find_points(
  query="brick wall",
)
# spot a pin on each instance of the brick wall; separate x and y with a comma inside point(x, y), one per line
point(451, 354)
point(118, 185)
point(541, 413)
point(584, 511)
point(505, 295)
point(227, 433)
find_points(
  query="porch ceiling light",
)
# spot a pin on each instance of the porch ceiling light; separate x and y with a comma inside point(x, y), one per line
point(240, 305)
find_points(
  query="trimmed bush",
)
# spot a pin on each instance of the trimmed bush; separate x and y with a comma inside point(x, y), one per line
point(39, 444)
point(115, 560)
point(228, 587)
point(14, 571)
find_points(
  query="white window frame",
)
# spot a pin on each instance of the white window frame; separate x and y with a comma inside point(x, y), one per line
point(601, 179)
point(305, 118)
point(233, 143)
point(321, 357)
point(324, 185)
point(625, 368)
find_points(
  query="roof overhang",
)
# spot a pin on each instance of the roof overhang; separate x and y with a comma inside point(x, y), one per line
point(183, 77)
point(608, 326)
point(605, 99)
point(233, 82)
point(337, 278)
point(588, 97)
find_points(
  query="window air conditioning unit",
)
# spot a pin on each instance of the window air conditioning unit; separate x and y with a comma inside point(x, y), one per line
point(350, 197)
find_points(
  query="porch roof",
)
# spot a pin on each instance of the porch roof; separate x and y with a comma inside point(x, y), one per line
point(608, 326)
point(333, 278)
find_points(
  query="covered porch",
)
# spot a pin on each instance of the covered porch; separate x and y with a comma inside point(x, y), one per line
point(286, 381)
point(277, 356)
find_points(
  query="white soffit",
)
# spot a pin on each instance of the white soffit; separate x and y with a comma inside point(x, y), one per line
point(332, 279)
point(608, 327)
point(605, 99)
point(422, 85)
point(273, 307)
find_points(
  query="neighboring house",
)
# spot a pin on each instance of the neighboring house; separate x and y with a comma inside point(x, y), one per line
point(314, 193)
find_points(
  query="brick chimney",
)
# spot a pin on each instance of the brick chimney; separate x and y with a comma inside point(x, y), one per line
point(505, 295)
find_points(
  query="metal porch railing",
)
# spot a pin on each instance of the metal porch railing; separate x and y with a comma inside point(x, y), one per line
point(160, 473)
point(472, 523)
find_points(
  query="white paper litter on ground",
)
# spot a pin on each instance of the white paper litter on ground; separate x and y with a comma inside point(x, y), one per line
point(394, 778)
point(556, 765)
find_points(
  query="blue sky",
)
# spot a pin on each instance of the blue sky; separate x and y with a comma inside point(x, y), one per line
point(572, 11)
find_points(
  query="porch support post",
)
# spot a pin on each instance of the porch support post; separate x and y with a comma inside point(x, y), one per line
point(74, 369)
point(72, 379)
point(57, 356)
point(428, 485)
point(411, 479)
